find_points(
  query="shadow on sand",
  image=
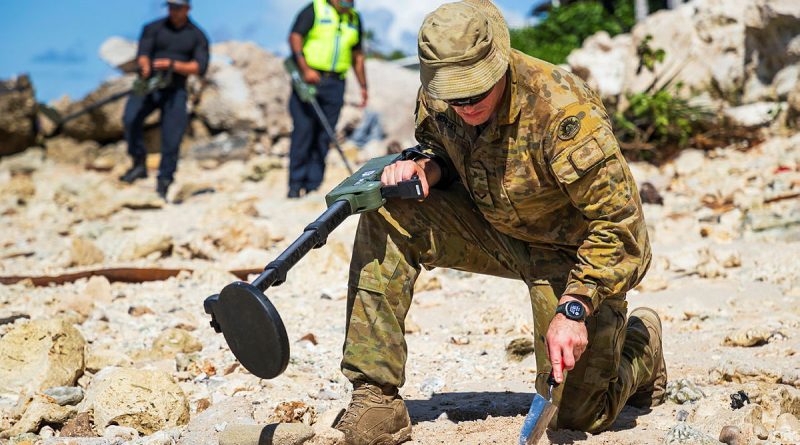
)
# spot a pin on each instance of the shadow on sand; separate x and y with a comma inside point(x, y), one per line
point(467, 406)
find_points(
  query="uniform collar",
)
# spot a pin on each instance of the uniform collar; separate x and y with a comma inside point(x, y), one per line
point(510, 105)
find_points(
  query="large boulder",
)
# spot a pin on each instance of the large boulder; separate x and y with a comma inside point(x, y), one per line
point(743, 50)
point(227, 102)
point(268, 84)
point(120, 53)
point(392, 93)
point(40, 354)
point(602, 61)
point(145, 400)
point(772, 49)
point(17, 115)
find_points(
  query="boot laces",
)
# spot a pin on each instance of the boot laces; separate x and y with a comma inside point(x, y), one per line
point(359, 401)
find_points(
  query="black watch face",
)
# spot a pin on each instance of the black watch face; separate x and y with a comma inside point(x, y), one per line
point(575, 310)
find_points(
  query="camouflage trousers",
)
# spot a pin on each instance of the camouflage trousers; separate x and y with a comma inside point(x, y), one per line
point(448, 230)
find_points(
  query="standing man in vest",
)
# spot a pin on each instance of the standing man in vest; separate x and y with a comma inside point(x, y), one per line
point(176, 47)
point(325, 41)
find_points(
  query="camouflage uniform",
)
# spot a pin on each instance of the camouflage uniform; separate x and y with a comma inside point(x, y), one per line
point(540, 193)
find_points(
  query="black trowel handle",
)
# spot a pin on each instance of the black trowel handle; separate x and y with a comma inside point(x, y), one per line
point(411, 189)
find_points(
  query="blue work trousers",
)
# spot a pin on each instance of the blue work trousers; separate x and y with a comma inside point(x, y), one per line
point(174, 119)
point(310, 142)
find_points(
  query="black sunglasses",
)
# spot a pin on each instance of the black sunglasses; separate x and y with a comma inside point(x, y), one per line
point(468, 100)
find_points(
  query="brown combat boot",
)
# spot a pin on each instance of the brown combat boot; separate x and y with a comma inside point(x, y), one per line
point(644, 322)
point(375, 417)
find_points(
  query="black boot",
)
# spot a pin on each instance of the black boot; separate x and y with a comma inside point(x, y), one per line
point(162, 186)
point(293, 193)
point(138, 171)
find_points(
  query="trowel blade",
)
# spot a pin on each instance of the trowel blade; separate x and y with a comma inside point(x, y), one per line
point(536, 421)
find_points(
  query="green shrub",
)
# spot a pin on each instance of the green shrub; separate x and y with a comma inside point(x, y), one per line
point(657, 118)
point(660, 118)
point(564, 29)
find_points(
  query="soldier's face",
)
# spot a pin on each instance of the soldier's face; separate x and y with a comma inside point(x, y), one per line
point(480, 112)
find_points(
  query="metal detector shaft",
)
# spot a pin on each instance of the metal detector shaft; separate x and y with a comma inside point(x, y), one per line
point(331, 134)
point(314, 235)
point(95, 106)
point(141, 87)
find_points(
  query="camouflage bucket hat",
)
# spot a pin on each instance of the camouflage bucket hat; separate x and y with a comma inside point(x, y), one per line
point(464, 49)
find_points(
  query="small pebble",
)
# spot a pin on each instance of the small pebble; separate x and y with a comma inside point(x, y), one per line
point(65, 395)
point(116, 432)
point(731, 435)
point(761, 432)
point(46, 432)
point(431, 386)
point(683, 390)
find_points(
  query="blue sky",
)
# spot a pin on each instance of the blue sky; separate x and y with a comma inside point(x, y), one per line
point(56, 42)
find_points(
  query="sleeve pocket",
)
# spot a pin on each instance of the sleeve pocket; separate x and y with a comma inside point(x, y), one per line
point(572, 163)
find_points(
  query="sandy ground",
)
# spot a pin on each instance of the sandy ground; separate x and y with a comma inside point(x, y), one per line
point(460, 386)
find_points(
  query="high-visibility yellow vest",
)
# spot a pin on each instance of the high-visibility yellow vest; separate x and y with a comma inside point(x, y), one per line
point(329, 44)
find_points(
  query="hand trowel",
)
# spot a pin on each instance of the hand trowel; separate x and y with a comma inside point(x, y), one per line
point(539, 415)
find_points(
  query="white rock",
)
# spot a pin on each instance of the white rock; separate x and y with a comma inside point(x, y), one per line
point(40, 411)
point(393, 93)
point(145, 400)
point(40, 354)
point(735, 45)
point(120, 53)
point(756, 114)
point(227, 103)
point(601, 62)
point(125, 433)
point(689, 162)
point(144, 243)
point(202, 429)
point(785, 81)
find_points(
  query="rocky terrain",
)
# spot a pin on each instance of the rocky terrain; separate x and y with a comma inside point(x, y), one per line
point(103, 357)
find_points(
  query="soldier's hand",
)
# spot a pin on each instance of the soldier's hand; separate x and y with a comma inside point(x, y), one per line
point(566, 340)
point(311, 76)
point(403, 171)
point(162, 64)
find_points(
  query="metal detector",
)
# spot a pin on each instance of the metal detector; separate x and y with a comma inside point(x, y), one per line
point(242, 312)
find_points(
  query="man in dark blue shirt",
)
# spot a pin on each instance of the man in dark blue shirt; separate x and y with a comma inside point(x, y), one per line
point(176, 47)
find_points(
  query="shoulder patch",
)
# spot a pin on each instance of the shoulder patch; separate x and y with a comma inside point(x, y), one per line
point(568, 128)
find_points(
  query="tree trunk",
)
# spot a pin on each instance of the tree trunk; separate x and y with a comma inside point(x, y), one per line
point(641, 9)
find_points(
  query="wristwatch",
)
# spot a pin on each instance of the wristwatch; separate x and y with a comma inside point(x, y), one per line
point(573, 310)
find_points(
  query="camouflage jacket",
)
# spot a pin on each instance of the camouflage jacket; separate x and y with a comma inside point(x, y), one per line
point(547, 170)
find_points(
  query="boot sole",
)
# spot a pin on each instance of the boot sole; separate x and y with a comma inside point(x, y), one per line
point(393, 439)
point(131, 181)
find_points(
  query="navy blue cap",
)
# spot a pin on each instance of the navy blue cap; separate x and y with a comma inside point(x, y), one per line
point(178, 2)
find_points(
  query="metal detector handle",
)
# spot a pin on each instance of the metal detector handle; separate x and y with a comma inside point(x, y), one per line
point(304, 91)
point(410, 189)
